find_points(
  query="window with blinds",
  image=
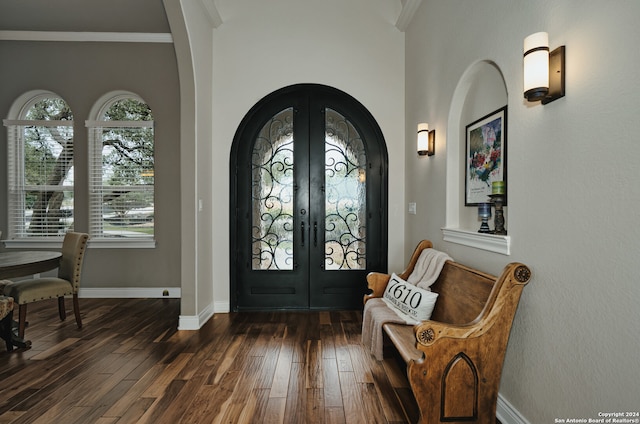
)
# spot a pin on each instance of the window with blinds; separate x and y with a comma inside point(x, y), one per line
point(121, 172)
point(40, 171)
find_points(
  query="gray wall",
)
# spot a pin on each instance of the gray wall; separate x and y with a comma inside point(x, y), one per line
point(572, 184)
point(81, 72)
point(83, 15)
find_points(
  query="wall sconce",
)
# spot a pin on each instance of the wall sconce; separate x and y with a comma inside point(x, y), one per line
point(543, 71)
point(426, 140)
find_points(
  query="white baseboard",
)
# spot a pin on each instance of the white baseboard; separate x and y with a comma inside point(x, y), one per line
point(195, 322)
point(130, 292)
point(507, 414)
point(221, 307)
point(189, 322)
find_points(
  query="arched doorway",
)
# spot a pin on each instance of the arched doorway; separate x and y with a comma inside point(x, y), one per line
point(308, 201)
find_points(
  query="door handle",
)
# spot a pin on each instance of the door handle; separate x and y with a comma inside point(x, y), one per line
point(315, 233)
point(302, 212)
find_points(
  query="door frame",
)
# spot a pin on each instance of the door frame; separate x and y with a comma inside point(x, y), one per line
point(378, 142)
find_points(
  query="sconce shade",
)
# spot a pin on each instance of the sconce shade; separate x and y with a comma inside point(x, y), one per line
point(423, 139)
point(543, 70)
point(536, 66)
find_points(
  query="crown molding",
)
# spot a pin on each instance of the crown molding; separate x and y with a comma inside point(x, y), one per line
point(212, 13)
point(105, 37)
point(409, 8)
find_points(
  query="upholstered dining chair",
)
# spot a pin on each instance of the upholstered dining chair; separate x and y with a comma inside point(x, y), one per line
point(66, 283)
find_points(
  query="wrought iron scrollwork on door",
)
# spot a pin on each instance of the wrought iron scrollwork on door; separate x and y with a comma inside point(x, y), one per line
point(345, 194)
point(273, 194)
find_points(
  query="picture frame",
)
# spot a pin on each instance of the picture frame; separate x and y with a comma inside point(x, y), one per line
point(485, 156)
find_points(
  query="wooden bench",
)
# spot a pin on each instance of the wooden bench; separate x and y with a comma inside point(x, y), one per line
point(454, 360)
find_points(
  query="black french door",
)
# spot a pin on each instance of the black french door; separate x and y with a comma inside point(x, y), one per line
point(309, 201)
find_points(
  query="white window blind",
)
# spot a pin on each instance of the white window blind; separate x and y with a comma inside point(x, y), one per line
point(121, 180)
point(40, 178)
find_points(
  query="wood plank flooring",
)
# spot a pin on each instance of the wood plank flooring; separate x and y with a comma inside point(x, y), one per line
point(129, 364)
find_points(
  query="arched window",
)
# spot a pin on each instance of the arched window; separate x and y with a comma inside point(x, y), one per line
point(121, 169)
point(40, 167)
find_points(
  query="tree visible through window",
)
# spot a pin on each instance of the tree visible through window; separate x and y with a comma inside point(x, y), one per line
point(40, 169)
point(122, 171)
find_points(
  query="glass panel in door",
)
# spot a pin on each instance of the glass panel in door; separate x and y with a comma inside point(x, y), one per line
point(273, 195)
point(345, 195)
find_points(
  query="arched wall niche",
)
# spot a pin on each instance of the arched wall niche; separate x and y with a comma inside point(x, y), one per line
point(480, 91)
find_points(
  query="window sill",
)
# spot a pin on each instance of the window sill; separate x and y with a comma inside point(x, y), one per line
point(122, 243)
point(93, 244)
point(490, 242)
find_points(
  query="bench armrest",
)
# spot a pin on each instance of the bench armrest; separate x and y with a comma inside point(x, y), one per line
point(428, 332)
point(377, 282)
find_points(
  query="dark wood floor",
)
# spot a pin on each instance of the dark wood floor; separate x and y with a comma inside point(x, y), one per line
point(129, 364)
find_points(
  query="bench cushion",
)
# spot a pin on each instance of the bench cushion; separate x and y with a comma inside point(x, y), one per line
point(27, 291)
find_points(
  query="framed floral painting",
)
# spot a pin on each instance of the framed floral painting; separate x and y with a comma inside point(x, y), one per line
point(486, 156)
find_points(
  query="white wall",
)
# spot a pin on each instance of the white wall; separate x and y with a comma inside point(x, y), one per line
point(263, 46)
point(572, 184)
point(192, 38)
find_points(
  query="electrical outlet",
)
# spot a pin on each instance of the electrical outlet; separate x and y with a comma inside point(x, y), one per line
point(412, 208)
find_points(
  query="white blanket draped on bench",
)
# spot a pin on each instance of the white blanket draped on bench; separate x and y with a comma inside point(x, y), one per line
point(376, 312)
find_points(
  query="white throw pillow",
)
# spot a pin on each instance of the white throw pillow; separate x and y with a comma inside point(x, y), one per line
point(411, 301)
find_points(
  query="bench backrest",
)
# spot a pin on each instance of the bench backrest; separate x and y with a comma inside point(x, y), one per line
point(463, 293)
